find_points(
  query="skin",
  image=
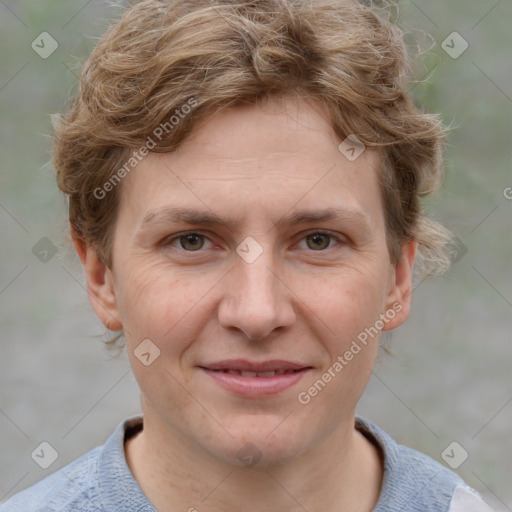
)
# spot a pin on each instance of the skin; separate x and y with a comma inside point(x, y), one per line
point(304, 299)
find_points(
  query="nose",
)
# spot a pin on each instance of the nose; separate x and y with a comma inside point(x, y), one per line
point(257, 300)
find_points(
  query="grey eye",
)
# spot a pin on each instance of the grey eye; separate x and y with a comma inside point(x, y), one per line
point(319, 241)
point(192, 241)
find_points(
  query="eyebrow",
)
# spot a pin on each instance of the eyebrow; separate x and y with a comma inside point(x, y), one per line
point(208, 218)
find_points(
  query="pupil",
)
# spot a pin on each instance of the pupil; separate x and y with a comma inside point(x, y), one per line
point(193, 241)
point(318, 240)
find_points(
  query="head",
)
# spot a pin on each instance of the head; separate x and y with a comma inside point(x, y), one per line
point(245, 114)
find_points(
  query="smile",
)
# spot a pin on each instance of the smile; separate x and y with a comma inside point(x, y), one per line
point(257, 374)
point(254, 380)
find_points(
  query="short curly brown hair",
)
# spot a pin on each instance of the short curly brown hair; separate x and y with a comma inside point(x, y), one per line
point(348, 56)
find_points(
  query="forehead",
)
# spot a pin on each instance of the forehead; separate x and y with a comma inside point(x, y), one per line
point(273, 157)
point(286, 127)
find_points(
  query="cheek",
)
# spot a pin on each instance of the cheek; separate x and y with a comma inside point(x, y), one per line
point(352, 342)
point(161, 305)
point(351, 310)
point(349, 301)
point(171, 305)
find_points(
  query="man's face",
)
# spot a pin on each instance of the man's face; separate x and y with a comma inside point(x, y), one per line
point(268, 291)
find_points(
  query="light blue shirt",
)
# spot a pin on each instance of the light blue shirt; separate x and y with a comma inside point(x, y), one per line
point(101, 481)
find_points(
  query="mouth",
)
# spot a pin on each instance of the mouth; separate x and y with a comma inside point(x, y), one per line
point(245, 373)
point(255, 379)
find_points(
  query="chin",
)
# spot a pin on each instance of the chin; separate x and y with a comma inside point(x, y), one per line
point(261, 444)
point(258, 455)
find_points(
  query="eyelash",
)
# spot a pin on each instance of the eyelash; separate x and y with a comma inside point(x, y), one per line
point(168, 241)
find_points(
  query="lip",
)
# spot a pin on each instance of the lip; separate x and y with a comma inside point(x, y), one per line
point(254, 386)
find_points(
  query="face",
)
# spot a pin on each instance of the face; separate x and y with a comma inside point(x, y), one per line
point(252, 258)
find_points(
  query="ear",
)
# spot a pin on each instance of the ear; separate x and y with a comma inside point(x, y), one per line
point(100, 284)
point(400, 290)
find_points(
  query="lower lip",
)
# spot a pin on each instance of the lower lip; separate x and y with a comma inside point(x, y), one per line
point(256, 386)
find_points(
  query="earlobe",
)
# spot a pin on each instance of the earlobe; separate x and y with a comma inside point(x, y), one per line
point(400, 293)
point(100, 285)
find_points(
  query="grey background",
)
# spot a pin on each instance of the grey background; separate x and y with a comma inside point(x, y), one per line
point(449, 379)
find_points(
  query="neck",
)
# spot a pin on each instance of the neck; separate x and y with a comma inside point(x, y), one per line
point(344, 472)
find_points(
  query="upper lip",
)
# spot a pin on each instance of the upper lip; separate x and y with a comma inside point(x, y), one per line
point(250, 366)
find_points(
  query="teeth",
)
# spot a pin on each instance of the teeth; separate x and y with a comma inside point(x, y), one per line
point(250, 374)
point(267, 374)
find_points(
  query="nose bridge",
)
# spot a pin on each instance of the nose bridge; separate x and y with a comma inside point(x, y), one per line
point(256, 301)
point(257, 281)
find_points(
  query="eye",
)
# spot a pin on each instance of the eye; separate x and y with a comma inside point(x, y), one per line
point(193, 241)
point(320, 240)
point(190, 242)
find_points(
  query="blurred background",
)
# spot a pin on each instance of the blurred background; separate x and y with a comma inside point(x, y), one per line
point(450, 377)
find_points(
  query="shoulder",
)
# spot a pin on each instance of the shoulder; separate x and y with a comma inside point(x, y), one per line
point(98, 481)
point(417, 483)
point(465, 499)
point(69, 488)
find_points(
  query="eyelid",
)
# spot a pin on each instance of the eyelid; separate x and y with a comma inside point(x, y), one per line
point(172, 238)
point(340, 239)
